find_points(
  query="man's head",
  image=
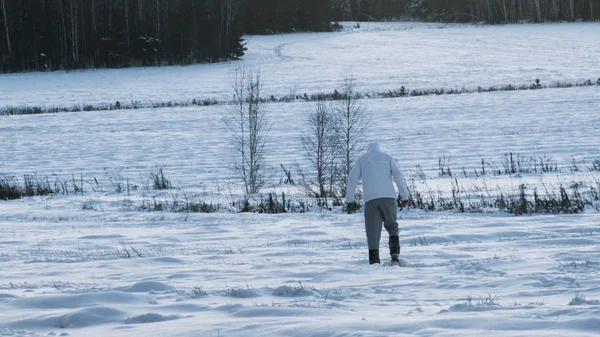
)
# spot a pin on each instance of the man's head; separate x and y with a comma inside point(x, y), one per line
point(373, 147)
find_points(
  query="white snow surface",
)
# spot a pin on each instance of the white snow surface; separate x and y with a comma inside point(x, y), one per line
point(93, 264)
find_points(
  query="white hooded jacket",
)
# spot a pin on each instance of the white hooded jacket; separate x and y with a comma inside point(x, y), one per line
point(376, 169)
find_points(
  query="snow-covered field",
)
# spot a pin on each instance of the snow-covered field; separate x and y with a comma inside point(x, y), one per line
point(382, 56)
point(93, 264)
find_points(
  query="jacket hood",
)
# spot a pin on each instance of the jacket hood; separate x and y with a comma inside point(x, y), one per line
point(373, 147)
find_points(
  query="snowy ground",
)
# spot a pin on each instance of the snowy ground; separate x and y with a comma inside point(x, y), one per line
point(94, 265)
point(296, 275)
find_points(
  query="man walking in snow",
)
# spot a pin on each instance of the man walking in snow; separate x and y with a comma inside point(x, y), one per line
point(376, 169)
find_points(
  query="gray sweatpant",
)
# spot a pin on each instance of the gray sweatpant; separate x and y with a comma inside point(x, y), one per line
point(378, 211)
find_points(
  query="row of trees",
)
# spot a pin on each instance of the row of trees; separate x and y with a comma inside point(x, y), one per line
point(490, 11)
point(333, 139)
point(278, 16)
point(505, 11)
point(68, 34)
point(43, 34)
point(369, 10)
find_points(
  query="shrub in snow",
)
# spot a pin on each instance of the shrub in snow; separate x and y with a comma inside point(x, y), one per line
point(580, 300)
point(159, 181)
point(299, 290)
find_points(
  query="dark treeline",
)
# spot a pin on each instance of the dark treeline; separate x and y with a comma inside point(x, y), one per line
point(489, 11)
point(71, 34)
point(67, 34)
point(279, 16)
point(508, 11)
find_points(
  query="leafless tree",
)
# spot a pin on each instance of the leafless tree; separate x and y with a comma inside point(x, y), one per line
point(229, 13)
point(249, 128)
point(74, 31)
point(342, 8)
point(572, 9)
point(351, 125)
point(538, 10)
point(225, 16)
point(320, 143)
point(158, 16)
point(6, 26)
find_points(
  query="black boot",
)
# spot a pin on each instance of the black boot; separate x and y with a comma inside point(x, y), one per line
point(374, 256)
point(395, 248)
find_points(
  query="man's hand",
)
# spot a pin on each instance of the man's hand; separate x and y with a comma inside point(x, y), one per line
point(352, 207)
point(404, 203)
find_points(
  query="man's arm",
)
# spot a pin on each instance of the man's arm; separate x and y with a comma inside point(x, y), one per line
point(353, 178)
point(399, 179)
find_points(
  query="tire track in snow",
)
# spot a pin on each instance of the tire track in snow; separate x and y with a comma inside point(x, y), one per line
point(279, 49)
point(279, 53)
